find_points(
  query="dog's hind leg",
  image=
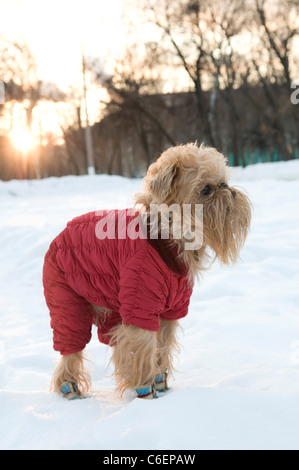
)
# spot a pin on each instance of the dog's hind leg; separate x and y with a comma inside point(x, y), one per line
point(70, 377)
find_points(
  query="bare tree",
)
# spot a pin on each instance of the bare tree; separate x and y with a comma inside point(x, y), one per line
point(133, 77)
point(277, 25)
point(194, 30)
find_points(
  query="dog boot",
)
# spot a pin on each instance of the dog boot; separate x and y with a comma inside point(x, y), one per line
point(148, 391)
point(70, 391)
point(161, 382)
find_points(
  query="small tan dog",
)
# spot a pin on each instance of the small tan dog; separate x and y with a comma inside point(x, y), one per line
point(134, 289)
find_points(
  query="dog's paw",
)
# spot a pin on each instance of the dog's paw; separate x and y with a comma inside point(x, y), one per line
point(147, 392)
point(155, 390)
point(70, 391)
point(161, 384)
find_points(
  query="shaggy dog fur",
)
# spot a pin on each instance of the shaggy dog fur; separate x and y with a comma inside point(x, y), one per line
point(185, 174)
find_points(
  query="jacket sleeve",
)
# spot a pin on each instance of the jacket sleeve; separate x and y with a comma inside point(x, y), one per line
point(144, 287)
point(181, 307)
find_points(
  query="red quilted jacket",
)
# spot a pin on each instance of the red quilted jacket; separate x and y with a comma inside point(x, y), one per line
point(138, 279)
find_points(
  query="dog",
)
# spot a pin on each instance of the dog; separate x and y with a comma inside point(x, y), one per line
point(131, 273)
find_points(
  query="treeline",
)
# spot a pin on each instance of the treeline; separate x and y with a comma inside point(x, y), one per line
point(219, 72)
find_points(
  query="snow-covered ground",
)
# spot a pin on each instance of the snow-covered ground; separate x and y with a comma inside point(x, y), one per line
point(237, 384)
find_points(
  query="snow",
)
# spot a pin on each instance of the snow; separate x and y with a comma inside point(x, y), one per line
point(237, 379)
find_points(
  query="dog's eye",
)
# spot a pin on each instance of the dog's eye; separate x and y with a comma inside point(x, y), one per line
point(206, 190)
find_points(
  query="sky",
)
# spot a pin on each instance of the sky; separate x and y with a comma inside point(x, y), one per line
point(56, 31)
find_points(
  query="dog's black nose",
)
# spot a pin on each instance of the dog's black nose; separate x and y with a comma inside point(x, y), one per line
point(223, 185)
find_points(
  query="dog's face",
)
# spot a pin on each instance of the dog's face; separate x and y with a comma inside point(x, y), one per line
point(189, 174)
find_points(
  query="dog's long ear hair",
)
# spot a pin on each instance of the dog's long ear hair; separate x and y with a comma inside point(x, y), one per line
point(159, 183)
point(160, 180)
point(227, 221)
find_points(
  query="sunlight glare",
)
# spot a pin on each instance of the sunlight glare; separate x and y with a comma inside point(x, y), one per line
point(22, 139)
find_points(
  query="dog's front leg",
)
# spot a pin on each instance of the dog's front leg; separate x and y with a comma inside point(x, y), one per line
point(135, 357)
point(168, 348)
point(71, 371)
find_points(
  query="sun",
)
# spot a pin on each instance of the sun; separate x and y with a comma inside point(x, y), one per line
point(22, 139)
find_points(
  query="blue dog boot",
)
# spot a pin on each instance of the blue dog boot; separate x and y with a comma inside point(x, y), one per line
point(161, 384)
point(148, 392)
point(70, 391)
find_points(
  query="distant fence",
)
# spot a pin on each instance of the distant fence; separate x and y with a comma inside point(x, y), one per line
point(257, 156)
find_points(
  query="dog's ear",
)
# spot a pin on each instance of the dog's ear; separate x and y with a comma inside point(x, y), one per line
point(160, 179)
